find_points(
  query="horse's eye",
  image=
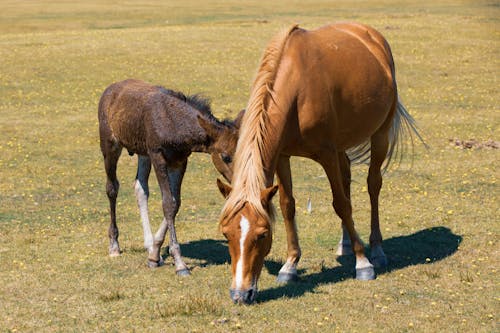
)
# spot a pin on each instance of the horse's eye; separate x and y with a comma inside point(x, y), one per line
point(262, 236)
point(226, 158)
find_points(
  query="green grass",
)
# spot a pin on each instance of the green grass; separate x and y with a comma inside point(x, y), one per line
point(439, 212)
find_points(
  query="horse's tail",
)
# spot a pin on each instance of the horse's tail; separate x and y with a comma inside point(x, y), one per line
point(403, 126)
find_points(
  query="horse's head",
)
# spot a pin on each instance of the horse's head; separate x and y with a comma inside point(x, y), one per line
point(249, 235)
point(223, 143)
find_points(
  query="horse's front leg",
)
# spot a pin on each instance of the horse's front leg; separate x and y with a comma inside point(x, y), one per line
point(141, 189)
point(288, 272)
point(331, 162)
point(169, 179)
point(175, 176)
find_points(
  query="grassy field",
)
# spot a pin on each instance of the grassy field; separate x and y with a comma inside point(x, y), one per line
point(439, 210)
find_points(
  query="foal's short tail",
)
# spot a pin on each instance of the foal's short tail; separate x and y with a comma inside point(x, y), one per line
point(403, 126)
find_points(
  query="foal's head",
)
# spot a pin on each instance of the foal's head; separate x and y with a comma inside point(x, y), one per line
point(249, 235)
point(224, 146)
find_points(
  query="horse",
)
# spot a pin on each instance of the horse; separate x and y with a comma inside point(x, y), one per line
point(163, 127)
point(329, 95)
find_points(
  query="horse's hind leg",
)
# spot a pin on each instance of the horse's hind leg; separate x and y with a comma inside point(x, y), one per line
point(379, 147)
point(141, 189)
point(344, 247)
point(342, 205)
point(111, 152)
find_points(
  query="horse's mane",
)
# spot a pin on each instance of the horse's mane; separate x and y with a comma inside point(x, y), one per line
point(248, 177)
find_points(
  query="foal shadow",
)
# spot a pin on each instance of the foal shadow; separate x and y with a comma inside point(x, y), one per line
point(422, 247)
point(207, 251)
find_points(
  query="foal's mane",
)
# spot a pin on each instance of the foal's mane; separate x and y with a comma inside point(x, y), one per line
point(201, 103)
point(248, 177)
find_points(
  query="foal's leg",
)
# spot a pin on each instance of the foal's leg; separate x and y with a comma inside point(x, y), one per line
point(344, 247)
point(379, 147)
point(142, 194)
point(287, 203)
point(342, 205)
point(111, 152)
point(170, 205)
point(175, 176)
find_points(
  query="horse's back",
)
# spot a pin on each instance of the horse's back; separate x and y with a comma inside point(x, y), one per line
point(344, 80)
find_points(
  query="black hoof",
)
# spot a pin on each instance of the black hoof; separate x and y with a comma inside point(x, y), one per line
point(287, 277)
point(183, 272)
point(367, 273)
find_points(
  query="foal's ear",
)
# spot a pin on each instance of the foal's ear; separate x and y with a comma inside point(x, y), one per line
point(210, 128)
point(267, 194)
point(239, 118)
point(224, 188)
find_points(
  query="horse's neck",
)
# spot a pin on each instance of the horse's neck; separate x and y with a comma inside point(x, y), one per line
point(277, 127)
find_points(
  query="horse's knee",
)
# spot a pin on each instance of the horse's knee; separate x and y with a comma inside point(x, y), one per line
point(112, 189)
point(342, 207)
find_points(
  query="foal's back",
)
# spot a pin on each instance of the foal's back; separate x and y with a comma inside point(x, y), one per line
point(140, 116)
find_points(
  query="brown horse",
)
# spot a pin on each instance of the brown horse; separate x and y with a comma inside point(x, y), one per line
point(329, 95)
point(163, 127)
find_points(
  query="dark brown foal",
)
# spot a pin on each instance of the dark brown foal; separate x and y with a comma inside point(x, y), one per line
point(163, 127)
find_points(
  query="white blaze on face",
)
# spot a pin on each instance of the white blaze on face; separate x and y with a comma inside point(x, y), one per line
point(244, 226)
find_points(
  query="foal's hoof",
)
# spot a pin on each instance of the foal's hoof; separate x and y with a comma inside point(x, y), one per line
point(365, 273)
point(183, 272)
point(379, 261)
point(114, 252)
point(154, 264)
point(287, 277)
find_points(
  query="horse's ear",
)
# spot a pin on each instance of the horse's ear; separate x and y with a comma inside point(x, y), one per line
point(224, 188)
point(211, 129)
point(267, 194)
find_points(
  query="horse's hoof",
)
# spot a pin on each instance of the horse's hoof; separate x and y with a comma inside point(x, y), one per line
point(183, 272)
point(287, 277)
point(365, 273)
point(379, 261)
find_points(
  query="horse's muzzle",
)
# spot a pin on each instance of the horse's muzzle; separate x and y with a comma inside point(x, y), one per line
point(243, 296)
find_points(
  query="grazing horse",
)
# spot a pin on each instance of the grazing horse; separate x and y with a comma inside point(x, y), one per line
point(163, 127)
point(329, 95)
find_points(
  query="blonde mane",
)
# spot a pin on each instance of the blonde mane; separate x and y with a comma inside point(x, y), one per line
point(248, 176)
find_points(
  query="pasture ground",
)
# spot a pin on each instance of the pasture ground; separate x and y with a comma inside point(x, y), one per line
point(439, 210)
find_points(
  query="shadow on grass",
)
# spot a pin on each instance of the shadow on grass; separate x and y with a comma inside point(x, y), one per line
point(432, 244)
point(209, 251)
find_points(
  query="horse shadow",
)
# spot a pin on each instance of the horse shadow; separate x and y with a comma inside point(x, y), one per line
point(207, 251)
point(423, 247)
